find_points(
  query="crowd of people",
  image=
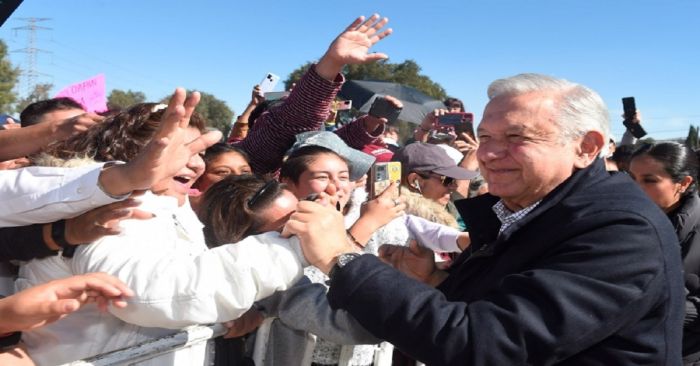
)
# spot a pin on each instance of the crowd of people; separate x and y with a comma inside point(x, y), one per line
point(527, 242)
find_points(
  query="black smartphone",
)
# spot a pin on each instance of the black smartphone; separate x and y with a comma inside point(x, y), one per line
point(382, 108)
point(629, 108)
point(460, 121)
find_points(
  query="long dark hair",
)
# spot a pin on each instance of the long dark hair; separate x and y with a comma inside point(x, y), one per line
point(120, 136)
point(227, 211)
point(678, 160)
point(222, 148)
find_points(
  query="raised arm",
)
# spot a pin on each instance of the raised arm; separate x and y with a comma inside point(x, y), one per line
point(309, 103)
point(19, 142)
point(41, 194)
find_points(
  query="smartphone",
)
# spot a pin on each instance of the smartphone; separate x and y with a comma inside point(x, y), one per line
point(381, 175)
point(343, 112)
point(382, 108)
point(461, 122)
point(270, 96)
point(268, 83)
point(630, 109)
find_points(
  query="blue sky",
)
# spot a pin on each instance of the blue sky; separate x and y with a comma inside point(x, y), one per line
point(647, 49)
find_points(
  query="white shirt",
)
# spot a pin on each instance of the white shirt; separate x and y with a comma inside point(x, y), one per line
point(37, 195)
point(177, 281)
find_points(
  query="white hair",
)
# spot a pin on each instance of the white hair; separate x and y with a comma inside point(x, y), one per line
point(580, 109)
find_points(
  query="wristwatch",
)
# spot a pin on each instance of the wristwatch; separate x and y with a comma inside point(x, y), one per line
point(341, 261)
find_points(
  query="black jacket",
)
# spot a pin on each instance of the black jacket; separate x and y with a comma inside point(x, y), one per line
point(592, 276)
point(686, 221)
point(23, 243)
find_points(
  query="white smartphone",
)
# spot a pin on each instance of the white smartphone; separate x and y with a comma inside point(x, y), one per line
point(269, 82)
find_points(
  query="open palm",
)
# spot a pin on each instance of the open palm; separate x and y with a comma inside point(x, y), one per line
point(352, 46)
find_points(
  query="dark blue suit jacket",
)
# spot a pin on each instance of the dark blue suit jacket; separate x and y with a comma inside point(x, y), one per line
point(592, 276)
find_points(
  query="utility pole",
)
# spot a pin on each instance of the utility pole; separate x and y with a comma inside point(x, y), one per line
point(29, 71)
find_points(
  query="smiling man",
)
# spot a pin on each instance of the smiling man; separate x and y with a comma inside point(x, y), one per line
point(568, 264)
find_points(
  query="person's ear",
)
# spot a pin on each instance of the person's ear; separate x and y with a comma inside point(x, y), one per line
point(413, 180)
point(588, 149)
point(685, 183)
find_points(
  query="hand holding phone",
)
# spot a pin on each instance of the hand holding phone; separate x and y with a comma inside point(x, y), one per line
point(383, 108)
point(461, 122)
point(343, 112)
point(630, 111)
point(268, 83)
point(382, 175)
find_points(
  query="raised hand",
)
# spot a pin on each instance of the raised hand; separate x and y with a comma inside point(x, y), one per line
point(257, 96)
point(165, 154)
point(373, 122)
point(352, 46)
point(44, 304)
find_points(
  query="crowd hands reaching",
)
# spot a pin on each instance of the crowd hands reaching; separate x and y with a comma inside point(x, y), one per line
point(142, 218)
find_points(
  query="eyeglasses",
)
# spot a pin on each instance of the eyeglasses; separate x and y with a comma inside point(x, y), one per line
point(261, 192)
point(444, 180)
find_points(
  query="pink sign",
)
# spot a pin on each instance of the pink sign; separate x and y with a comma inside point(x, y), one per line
point(90, 93)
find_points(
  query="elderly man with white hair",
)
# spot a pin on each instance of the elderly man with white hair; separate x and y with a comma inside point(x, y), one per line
point(568, 264)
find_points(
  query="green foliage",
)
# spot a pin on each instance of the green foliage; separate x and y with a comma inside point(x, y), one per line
point(119, 99)
point(692, 140)
point(405, 73)
point(40, 92)
point(216, 112)
point(296, 75)
point(8, 79)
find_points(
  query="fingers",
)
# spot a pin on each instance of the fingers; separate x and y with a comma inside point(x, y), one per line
point(104, 284)
point(376, 57)
point(355, 23)
point(379, 24)
point(390, 191)
point(387, 250)
point(141, 214)
point(378, 37)
point(174, 112)
point(293, 227)
point(190, 104)
point(62, 307)
point(418, 249)
point(394, 101)
point(366, 25)
point(204, 141)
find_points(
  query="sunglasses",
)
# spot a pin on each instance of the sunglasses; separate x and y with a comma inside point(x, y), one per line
point(252, 201)
point(444, 180)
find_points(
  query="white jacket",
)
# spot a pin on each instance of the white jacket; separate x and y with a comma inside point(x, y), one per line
point(37, 194)
point(177, 281)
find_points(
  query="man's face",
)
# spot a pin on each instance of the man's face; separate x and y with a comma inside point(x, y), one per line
point(521, 154)
point(60, 115)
